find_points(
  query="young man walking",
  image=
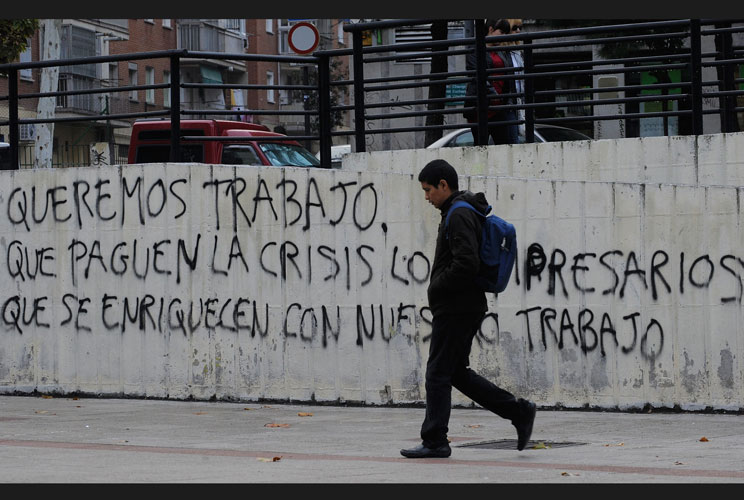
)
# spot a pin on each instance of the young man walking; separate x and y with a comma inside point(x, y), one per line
point(458, 306)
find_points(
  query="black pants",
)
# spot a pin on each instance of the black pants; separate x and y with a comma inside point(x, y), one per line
point(500, 134)
point(447, 367)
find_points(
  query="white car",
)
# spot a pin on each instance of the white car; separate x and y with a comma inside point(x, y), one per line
point(543, 133)
point(337, 154)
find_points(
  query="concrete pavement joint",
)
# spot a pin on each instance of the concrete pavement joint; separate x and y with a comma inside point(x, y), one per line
point(658, 471)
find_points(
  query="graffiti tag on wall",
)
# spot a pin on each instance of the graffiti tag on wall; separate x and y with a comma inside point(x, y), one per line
point(123, 253)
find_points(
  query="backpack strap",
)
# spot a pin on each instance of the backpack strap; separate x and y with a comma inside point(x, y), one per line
point(459, 204)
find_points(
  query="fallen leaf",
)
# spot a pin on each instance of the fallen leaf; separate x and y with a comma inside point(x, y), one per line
point(44, 396)
point(704, 439)
point(249, 408)
point(41, 411)
point(679, 463)
point(274, 459)
point(276, 425)
point(473, 426)
point(618, 444)
point(540, 446)
point(200, 413)
point(304, 414)
point(569, 474)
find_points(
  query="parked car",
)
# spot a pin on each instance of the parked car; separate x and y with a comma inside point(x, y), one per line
point(150, 143)
point(337, 154)
point(543, 133)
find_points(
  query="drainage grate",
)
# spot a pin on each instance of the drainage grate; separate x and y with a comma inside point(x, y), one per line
point(511, 444)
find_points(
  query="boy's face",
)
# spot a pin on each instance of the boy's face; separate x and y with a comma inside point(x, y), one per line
point(436, 195)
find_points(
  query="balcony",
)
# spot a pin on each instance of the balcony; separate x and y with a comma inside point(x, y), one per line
point(110, 103)
point(206, 37)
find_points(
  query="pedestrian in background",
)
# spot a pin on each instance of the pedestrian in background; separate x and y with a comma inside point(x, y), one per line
point(499, 133)
point(517, 134)
point(458, 306)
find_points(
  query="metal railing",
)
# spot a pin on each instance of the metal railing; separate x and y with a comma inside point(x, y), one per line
point(176, 110)
point(702, 57)
point(538, 102)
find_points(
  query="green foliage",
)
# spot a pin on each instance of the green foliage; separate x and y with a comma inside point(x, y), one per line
point(337, 93)
point(14, 35)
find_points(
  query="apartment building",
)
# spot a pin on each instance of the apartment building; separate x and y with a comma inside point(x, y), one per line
point(82, 142)
point(72, 140)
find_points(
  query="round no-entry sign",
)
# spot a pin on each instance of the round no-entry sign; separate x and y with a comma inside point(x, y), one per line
point(303, 38)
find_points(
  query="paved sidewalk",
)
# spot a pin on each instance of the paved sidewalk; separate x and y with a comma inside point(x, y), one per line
point(88, 440)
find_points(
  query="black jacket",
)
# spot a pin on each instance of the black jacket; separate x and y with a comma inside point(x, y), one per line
point(509, 84)
point(456, 261)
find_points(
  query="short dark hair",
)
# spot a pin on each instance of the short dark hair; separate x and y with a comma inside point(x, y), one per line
point(436, 170)
point(499, 24)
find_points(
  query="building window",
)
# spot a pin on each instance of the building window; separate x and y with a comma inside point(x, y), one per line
point(189, 36)
point(166, 91)
point(112, 101)
point(76, 42)
point(150, 21)
point(270, 81)
point(133, 81)
point(269, 26)
point(283, 26)
point(25, 56)
point(150, 80)
point(417, 33)
point(167, 23)
point(113, 74)
point(233, 24)
point(341, 33)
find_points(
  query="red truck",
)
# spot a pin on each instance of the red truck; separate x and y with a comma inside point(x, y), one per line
point(150, 143)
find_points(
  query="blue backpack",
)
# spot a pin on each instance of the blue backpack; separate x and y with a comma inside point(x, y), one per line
point(497, 251)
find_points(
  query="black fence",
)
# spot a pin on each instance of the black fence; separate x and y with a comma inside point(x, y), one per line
point(679, 70)
point(643, 48)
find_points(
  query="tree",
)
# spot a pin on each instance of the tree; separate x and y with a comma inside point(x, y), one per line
point(50, 43)
point(337, 92)
point(14, 35)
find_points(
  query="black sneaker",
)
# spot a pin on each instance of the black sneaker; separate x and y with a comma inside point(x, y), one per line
point(524, 426)
point(422, 451)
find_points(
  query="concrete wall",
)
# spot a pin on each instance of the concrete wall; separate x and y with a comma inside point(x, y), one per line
point(244, 283)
